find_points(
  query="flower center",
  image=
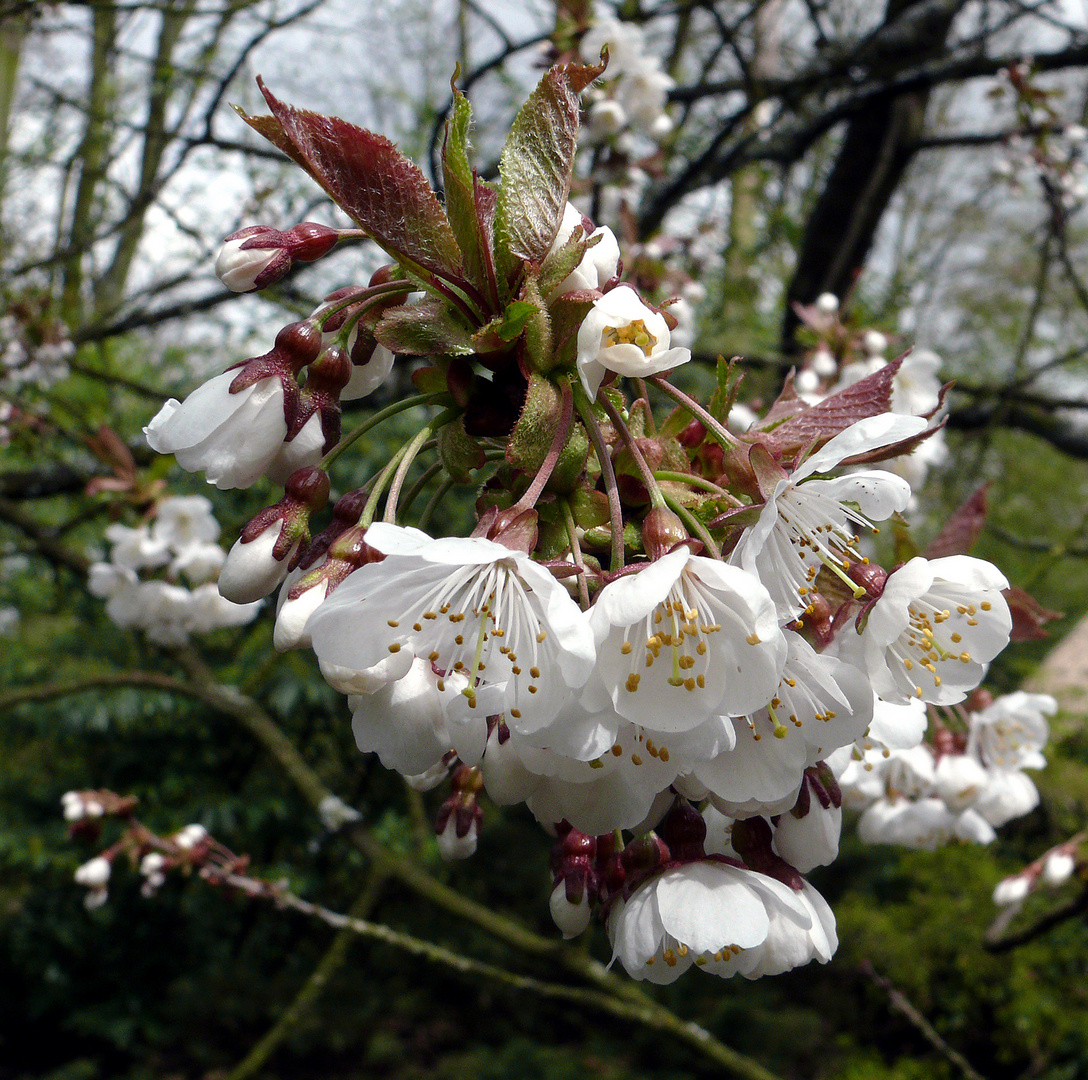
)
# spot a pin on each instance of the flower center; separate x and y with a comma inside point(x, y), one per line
point(634, 333)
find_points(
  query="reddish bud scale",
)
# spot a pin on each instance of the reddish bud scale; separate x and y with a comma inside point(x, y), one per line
point(662, 530)
point(751, 837)
point(326, 377)
point(683, 829)
point(294, 515)
point(297, 345)
point(308, 486)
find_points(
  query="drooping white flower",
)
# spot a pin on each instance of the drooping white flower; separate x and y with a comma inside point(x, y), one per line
point(707, 913)
point(251, 570)
point(1011, 732)
point(935, 626)
point(137, 549)
point(199, 561)
point(623, 335)
point(806, 523)
point(468, 606)
point(682, 640)
point(232, 438)
point(571, 919)
point(809, 841)
point(918, 823)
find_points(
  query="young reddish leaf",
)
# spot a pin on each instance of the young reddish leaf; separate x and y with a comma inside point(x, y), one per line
point(425, 328)
point(536, 164)
point(1028, 615)
point(371, 180)
point(473, 234)
point(962, 528)
point(867, 397)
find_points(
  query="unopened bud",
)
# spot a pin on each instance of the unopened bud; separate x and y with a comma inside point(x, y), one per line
point(256, 257)
point(662, 530)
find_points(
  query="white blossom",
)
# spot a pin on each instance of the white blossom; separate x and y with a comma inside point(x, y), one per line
point(623, 335)
point(232, 438)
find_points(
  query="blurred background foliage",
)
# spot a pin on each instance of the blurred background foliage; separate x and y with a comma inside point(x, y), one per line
point(189, 982)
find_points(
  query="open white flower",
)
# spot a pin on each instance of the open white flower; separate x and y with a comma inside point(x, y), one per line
point(470, 607)
point(232, 438)
point(623, 335)
point(806, 524)
point(935, 626)
point(684, 639)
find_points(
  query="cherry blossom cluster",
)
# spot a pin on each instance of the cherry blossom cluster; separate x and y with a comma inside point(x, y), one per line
point(1052, 869)
point(180, 545)
point(963, 781)
point(658, 631)
point(840, 355)
point(1047, 147)
point(154, 856)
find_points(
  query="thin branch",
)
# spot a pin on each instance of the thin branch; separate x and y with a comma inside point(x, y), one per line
point(898, 1001)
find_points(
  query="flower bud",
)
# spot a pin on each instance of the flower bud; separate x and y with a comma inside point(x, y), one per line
point(266, 549)
point(94, 874)
point(571, 917)
point(257, 256)
point(662, 530)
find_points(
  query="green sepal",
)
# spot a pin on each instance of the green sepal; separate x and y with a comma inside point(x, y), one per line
point(459, 453)
point(462, 208)
point(533, 433)
point(589, 508)
point(424, 328)
point(538, 329)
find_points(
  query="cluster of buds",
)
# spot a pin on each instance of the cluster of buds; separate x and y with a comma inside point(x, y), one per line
point(191, 848)
point(1046, 147)
point(1052, 869)
point(656, 625)
point(165, 577)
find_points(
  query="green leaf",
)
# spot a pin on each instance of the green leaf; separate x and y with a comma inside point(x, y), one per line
point(470, 221)
point(514, 319)
point(425, 328)
point(536, 165)
point(372, 181)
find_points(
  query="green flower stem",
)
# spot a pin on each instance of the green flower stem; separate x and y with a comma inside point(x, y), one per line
point(725, 437)
point(657, 500)
point(576, 553)
point(434, 501)
point(694, 526)
point(604, 459)
point(380, 482)
point(379, 418)
point(369, 294)
point(412, 493)
point(692, 481)
point(407, 456)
